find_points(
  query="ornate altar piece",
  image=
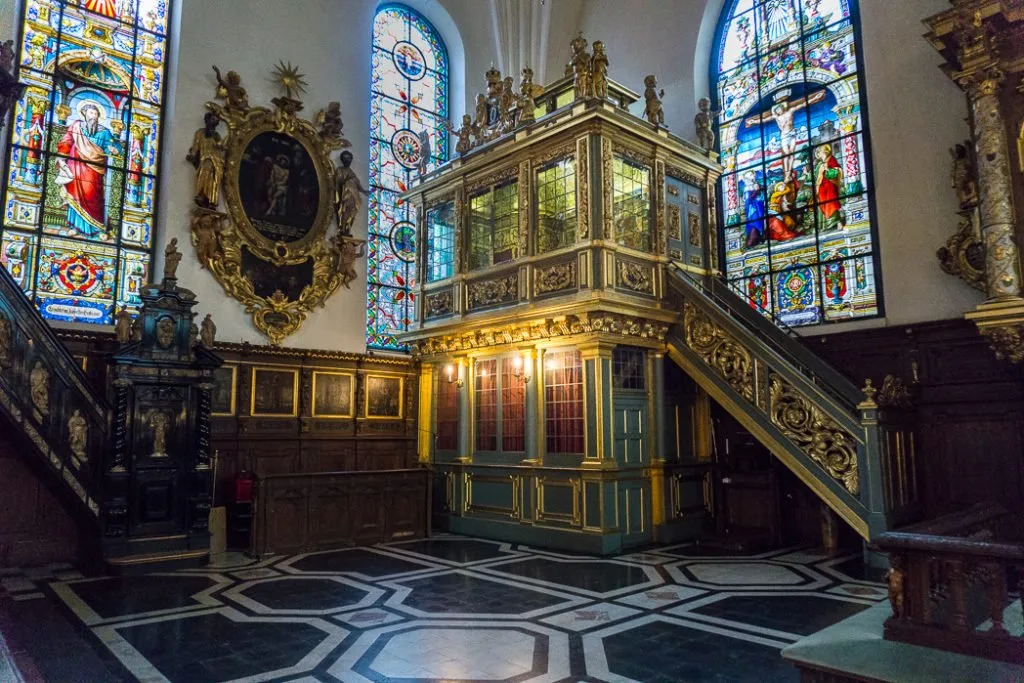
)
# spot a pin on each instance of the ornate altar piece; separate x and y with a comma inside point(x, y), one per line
point(982, 42)
point(270, 248)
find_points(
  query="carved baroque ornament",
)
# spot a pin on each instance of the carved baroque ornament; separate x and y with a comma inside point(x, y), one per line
point(282, 192)
point(711, 342)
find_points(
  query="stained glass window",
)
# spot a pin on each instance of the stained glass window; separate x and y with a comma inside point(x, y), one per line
point(631, 198)
point(556, 205)
point(408, 135)
point(798, 222)
point(440, 241)
point(79, 197)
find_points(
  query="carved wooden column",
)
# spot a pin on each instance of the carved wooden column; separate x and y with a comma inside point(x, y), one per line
point(982, 42)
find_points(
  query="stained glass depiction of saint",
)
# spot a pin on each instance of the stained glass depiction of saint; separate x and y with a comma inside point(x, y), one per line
point(409, 137)
point(79, 198)
point(798, 225)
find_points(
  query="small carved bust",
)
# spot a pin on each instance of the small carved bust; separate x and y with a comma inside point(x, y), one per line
point(165, 332)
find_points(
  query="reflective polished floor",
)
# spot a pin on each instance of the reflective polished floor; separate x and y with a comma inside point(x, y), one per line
point(445, 609)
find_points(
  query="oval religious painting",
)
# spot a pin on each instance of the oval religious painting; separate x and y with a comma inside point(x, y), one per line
point(279, 187)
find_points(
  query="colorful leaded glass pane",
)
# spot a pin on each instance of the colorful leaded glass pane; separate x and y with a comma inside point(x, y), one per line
point(409, 135)
point(79, 202)
point(798, 230)
point(440, 241)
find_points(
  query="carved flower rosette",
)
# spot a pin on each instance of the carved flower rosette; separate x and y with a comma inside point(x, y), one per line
point(272, 253)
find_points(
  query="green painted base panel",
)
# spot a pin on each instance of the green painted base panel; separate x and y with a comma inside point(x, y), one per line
point(590, 543)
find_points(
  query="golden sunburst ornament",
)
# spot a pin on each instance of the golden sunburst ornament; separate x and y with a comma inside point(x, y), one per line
point(289, 79)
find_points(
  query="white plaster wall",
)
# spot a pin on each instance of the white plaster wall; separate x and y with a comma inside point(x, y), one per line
point(915, 114)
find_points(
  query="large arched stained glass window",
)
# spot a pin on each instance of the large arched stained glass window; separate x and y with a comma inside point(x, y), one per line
point(79, 198)
point(408, 134)
point(799, 232)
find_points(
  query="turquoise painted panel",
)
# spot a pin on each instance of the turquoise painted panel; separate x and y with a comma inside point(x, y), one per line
point(491, 494)
point(685, 223)
point(559, 498)
point(629, 432)
point(592, 504)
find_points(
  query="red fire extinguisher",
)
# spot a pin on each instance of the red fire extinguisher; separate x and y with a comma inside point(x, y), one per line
point(243, 487)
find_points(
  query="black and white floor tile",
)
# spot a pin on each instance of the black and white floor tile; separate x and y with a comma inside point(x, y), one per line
point(451, 609)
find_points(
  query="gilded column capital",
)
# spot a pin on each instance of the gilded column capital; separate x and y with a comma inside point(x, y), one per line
point(983, 82)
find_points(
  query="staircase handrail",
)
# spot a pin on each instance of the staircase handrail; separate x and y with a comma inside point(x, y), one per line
point(779, 338)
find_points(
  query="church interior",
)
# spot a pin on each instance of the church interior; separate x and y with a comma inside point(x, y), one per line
point(511, 340)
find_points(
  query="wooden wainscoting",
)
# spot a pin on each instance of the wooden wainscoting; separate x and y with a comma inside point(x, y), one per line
point(307, 512)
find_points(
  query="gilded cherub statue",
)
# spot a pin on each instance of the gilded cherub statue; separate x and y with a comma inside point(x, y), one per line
point(347, 188)
point(464, 134)
point(172, 257)
point(348, 250)
point(599, 71)
point(703, 122)
point(207, 155)
point(580, 67)
point(652, 97)
point(962, 177)
point(527, 104)
point(208, 331)
point(231, 90)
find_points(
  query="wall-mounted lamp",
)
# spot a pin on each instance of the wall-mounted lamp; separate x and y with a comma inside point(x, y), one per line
point(518, 370)
point(453, 375)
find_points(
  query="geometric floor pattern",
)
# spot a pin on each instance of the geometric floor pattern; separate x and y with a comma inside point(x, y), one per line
point(445, 609)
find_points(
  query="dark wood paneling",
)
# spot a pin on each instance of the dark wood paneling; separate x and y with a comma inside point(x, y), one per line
point(970, 407)
point(307, 512)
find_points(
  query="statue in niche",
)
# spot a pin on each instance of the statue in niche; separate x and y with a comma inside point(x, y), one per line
point(464, 134)
point(172, 257)
point(962, 177)
point(527, 104)
point(123, 326)
point(39, 387)
point(581, 67)
point(207, 155)
point(599, 71)
point(6, 342)
point(703, 122)
point(346, 194)
point(231, 90)
point(78, 437)
point(159, 422)
point(208, 331)
point(206, 228)
point(652, 98)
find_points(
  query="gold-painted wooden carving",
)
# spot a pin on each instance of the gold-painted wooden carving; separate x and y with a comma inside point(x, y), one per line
point(438, 304)
point(635, 277)
point(554, 278)
point(491, 292)
point(269, 249)
point(813, 432)
point(583, 188)
point(711, 342)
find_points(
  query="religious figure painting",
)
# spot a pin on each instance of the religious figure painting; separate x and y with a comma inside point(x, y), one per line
point(81, 176)
point(223, 398)
point(274, 392)
point(383, 396)
point(279, 187)
point(332, 394)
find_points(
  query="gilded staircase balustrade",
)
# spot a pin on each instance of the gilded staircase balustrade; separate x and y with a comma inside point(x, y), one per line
point(812, 418)
point(47, 397)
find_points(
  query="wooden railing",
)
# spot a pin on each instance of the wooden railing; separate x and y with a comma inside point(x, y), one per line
point(949, 584)
point(308, 512)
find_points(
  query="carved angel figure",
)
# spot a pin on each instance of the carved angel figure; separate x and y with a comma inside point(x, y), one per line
point(231, 90)
point(347, 188)
point(39, 386)
point(207, 155)
point(160, 423)
point(348, 250)
point(78, 437)
point(330, 121)
point(581, 67)
point(652, 99)
point(172, 257)
point(481, 122)
point(527, 104)
point(506, 104)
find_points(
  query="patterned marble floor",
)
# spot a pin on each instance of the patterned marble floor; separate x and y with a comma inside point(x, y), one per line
point(445, 609)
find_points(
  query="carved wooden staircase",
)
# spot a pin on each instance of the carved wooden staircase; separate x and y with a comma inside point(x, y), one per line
point(831, 434)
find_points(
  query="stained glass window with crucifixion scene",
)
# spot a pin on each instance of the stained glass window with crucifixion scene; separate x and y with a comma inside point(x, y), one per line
point(408, 136)
point(80, 191)
point(799, 233)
